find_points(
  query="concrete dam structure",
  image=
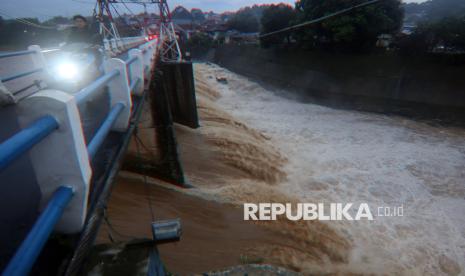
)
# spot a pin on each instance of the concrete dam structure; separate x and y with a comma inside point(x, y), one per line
point(420, 87)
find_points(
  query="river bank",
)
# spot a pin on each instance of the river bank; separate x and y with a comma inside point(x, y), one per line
point(256, 146)
point(421, 87)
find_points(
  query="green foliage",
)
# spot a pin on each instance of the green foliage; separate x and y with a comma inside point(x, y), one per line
point(450, 32)
point(16, 35)
point(198, 15)
point(356, 31)
point(276, 17)
point(246, 19)
point(435, 10)
point(181, 13)
point(447, 34)
point(58, 20)
point(200, 41)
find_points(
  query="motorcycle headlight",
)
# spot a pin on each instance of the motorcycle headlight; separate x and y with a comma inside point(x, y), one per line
point(67, 71)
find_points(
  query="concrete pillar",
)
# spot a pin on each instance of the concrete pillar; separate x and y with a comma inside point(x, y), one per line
point(60, 159)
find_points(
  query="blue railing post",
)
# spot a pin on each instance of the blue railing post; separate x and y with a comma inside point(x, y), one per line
point(104, 129)
point(27, 253)
point(94, 87)
point(22, 74)
point(26, 139)
point(120, 93)
point(14, 54)
point(62, 156)
point(136, 74)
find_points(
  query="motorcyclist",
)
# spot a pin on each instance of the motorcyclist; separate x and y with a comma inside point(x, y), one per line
point(81, 32)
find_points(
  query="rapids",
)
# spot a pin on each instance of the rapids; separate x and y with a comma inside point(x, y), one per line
point(256, 145)
point(346, 156)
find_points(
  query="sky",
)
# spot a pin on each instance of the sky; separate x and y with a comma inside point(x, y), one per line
point(45, 9)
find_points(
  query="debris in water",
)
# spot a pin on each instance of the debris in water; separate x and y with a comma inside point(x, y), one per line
point(222, 80)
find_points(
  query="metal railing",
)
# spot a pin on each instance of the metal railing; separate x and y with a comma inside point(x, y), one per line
point(104, 129)
point(18, 53)
point(24, 140)
point(95, 86)
point(10, 150)
point(62, 113)
point(38, 61)
point(22, 262)
point(22, 74)
point(122, 43)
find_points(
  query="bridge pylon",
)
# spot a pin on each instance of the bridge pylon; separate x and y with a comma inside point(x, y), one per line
point(169, 50)
point(107, 27)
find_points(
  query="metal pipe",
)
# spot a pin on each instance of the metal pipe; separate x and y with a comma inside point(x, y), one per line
point(134, 85)
point(104, 129)
point(131, 60)
point(36, 83)
point(30, 248)
point(51, 50)
point(14, 54)
point(95, 85)
point(17, 76)
point(128, 67)
point(26, 139)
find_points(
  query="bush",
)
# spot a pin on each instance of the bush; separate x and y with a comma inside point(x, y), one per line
point(200, 41)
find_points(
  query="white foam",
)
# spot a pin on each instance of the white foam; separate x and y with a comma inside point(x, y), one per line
point(347, 156)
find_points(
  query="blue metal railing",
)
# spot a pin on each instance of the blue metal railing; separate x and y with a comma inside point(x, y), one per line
point(130, 61)
point(26, 139)
point(95, 86)
point(128, 67)
point(104, 129)
point(32, 245)
point(23, 74)
point(18, 144)
point(18, 53)
point(134, 84)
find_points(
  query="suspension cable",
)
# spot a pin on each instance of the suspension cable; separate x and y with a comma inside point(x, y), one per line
point(26, 22)
point(317, 20)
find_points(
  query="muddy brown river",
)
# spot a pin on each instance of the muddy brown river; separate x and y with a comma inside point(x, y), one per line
point(255, 146)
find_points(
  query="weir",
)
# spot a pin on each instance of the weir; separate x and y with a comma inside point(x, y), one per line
point(60, 152)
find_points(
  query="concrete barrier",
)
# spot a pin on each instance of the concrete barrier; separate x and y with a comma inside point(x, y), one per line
point(379, 82)
point(61, 158)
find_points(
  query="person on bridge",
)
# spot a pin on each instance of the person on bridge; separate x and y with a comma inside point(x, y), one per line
point(82, 33)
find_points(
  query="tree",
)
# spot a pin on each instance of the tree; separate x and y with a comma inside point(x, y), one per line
point(276, 17)
point(246, 19)
point(58, 20)
point(435, 10)
point(447, 34)
point(355, 31)
point(198, 15)
point(450, 32)
point(200, 41)
point(181, 13)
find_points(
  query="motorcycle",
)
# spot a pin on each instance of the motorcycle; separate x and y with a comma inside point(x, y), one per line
point(76, 65)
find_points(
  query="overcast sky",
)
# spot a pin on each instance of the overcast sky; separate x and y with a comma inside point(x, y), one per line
point(45, 9)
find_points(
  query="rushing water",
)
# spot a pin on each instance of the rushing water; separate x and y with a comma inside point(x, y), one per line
point(346, 156)
point(256, 146)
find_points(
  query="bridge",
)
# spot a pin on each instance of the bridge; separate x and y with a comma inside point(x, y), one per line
point(61, 149)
